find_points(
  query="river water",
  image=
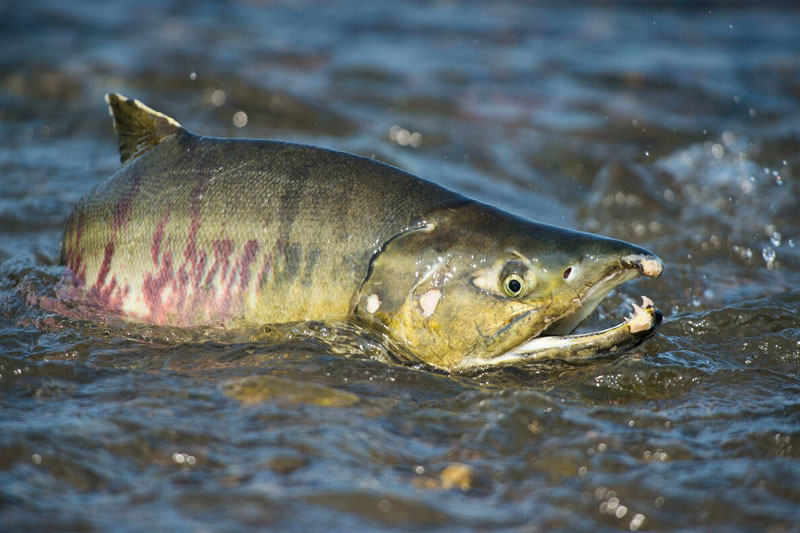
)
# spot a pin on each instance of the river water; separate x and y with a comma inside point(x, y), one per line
point(672, 127)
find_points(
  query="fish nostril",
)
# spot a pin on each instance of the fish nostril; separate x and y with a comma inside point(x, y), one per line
point(570, 273)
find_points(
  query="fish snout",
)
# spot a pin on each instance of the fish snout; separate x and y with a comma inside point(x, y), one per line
point(647, 264)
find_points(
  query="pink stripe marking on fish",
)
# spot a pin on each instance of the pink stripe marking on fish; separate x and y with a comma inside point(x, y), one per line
point(229, 297)
point(123, 208)
point(105, 266)
point(248, 256)
point(108, 296)
point(199, 269)
point(223, 248)
point(158, 238)
point(153, 287)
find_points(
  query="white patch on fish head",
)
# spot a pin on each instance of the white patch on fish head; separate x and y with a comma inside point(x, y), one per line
point(373, 303)
point(429, 301)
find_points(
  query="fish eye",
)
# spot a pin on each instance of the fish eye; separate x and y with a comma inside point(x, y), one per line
point(513, 285)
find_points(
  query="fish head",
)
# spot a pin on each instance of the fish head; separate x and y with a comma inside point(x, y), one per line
point(474, 284)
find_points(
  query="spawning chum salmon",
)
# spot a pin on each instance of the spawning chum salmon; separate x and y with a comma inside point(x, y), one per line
point(197, 230)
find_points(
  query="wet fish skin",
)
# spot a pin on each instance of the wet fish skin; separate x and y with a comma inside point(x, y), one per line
point(208, 231)
point(196, 230)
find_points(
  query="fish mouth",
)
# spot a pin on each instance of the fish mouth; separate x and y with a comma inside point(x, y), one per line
point(636, 328)
point(631, 266)
point(557, 341)
point(586, 304)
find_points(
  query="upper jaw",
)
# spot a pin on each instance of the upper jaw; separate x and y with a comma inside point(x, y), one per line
point(587, 303)
point(630, 266)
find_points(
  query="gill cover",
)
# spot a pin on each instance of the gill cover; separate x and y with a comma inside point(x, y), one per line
point(387, 297)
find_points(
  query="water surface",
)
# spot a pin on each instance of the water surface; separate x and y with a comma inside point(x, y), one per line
point(674, 128)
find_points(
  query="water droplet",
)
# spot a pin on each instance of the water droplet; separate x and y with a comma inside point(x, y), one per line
point(775, 238)
point(240, 119)
point(384, 506)
point(218, 97)
point(769, 256)
point(613, 504)
point(728, 139)
point(638, 520)
point(193, 76)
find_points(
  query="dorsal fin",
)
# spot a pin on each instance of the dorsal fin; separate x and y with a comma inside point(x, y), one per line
point(138, 127)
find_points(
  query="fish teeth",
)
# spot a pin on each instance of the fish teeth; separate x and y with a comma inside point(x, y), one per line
point(639, 312)
point(641, 320)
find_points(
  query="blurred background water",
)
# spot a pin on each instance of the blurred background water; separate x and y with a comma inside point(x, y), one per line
point(675, 127)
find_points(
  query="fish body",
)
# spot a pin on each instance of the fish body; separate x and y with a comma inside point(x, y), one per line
point(197, 231)
point(212, 231)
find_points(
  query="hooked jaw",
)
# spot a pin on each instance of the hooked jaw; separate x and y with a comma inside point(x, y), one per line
point(634, 330)
point(627, 268)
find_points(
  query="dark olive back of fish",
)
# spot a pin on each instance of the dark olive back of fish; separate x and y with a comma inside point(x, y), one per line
point(203, 230)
